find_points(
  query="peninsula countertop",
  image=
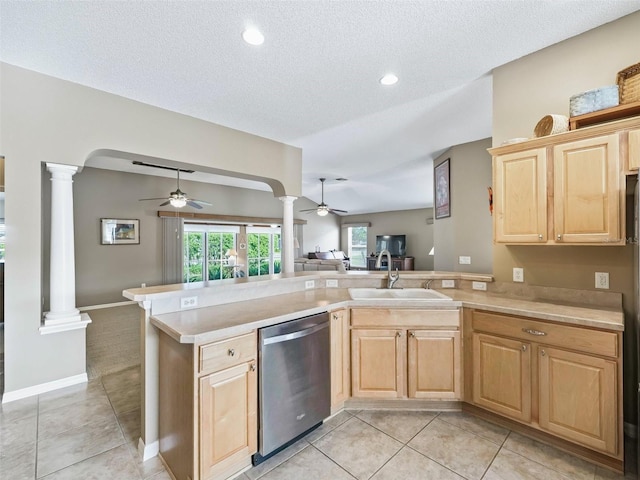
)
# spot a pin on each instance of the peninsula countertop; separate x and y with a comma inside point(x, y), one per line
point(202, 325)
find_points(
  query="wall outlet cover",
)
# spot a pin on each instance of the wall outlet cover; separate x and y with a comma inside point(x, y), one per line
point(332, 283)
point(310, 284)
point(518, 274)
point(602, 280)
point(188, 302)
point(479, 286)
point(448, 284)
point(464, 260)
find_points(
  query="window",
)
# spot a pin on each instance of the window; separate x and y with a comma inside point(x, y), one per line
point(357, 246)
point(204, 252)
point(264, 254)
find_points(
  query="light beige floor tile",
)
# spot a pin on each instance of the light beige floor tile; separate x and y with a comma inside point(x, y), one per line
point(19, 432)
point(327, 426)
point(606, 474)
point(276, 460)
point(409, 464)
point(77, 444)
point(463, 452)
point(161, 476)
point(308, 464)
point(26, 407)
point(358, 447)
point(112, 464)
point(70, 395)
point(476, 425)
point(131, 425)
point(54, 422)
point(18, 462)
point(402, 426)
point(126, 400)
point(511, 466)
point(147, 469)
point(551, 457)
point(124, 379)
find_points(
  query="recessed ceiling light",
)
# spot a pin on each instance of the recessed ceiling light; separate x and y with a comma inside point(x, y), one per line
point(253, 36)
point(389, 79)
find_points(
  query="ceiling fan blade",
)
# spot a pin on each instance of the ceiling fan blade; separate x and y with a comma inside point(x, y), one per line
point(309, 210)
point(143, 199)
point(193, 204)
point(165, 203)
point(337, 210)
point(202, 202)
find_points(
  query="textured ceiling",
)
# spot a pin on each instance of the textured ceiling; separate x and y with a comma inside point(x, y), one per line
point(314, 82)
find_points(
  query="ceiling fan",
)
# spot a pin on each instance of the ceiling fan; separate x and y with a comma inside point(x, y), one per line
point(178, 198)
point(323, 209)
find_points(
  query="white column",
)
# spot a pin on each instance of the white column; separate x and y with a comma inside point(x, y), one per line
point(62, 283)
point(287, 234)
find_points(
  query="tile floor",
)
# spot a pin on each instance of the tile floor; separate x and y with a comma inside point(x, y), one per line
point(91, 431)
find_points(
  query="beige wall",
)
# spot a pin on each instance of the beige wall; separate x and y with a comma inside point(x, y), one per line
point(412, 223)
point(541, 83)
point(468, 231)
point(50, 120)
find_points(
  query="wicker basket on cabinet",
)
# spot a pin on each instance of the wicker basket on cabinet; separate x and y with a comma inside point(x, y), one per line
point(629, 84)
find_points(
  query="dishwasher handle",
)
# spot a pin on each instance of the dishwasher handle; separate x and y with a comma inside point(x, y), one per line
point(294, 335)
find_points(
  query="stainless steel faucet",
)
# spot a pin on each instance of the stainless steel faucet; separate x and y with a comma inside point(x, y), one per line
point(392, 278)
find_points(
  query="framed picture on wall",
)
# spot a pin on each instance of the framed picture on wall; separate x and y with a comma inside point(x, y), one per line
point(441, 185)
point(116, 231)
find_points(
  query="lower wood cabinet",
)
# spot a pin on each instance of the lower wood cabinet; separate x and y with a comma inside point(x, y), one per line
point(208, 406)
point(340, 359)
point(421, 359)
point(560, 379)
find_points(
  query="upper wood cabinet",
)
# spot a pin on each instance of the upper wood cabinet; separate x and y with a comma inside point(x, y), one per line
point(566, 188)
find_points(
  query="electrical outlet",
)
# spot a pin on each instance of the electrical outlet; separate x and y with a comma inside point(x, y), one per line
point(464, 260)
point(518, 274)
point(188, 302)
point(332, 283)
point(448, 284)
point(479, 286)
point(143, 285)
point(309, 284)
point(602, 280)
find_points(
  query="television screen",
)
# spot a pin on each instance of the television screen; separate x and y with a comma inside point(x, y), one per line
point(396, 244)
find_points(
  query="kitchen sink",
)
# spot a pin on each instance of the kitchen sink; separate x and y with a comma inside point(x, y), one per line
point(396, 294)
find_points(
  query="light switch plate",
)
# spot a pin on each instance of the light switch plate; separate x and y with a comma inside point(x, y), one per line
point(188, 302)
point(479, 286)
point(518, 274)
point(309, 284)
point(332, 283)
point(448, 284)
point(602, 280)
point(464, 260)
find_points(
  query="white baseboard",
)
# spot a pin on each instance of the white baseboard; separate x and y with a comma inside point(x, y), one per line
point(107, 305)
point(43, 388)
point(630, 430)
point(148, 451)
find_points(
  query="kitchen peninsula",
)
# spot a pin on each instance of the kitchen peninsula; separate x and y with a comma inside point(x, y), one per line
point(468, 332)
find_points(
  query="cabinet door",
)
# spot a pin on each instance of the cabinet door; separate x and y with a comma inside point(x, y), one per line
point(434, 364)
point(228, 418)
point(340, 358)
point(502, 376)
point(520, 197)
point(586, 195)
point(634, 150)
point(377, 363)
point(578, 399)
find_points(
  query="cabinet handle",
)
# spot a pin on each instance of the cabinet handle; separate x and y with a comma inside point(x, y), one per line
point(252, 367)
point(231, 352)
point(543, 353)
point(531, 331)
point(524, 348)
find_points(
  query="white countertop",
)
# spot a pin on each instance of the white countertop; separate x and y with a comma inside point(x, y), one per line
point(202, 325)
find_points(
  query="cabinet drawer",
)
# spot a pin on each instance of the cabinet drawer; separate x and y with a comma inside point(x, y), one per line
point(227, 353)
point(573, 338)
point(390, 317)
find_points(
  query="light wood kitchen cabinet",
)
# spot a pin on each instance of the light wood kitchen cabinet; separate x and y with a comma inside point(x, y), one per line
point(208, 403)
point(502, 375)
point(565, 380)
point(406, 353)
point(561, 189)
point(340, 359)
point(520, 197)
point(634, 150)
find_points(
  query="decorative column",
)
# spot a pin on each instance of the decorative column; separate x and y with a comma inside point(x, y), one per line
point(62, 283)
point(287, 234)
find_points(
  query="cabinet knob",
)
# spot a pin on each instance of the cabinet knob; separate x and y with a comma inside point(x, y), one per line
point(231, 352)
point(412, 334)
point(540, 236)
point(524, 348)
point(398, 334)
point(543, 353)
point(252, 367)
point(559, 237)
point(335, 316)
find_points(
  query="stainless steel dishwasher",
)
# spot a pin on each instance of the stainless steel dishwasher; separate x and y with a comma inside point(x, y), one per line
point(294, 381)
